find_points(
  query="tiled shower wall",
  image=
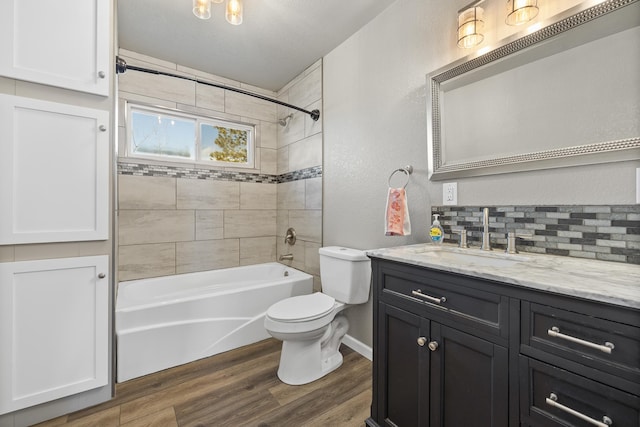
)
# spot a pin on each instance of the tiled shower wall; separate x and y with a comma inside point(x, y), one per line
point(608, 233)
point(177, 218)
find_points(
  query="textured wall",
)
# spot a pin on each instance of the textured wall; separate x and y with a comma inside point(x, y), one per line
point(375, 122)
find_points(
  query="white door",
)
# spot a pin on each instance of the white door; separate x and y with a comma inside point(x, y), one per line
point(54, 172)
point(59, 43)
point(54, 329)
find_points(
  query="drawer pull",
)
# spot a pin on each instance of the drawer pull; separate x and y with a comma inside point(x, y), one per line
point(434, 300)
point(555, 332)
point(552, 400)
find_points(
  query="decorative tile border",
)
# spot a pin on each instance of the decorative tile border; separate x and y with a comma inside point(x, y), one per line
point(140, 169)
point(608, 233)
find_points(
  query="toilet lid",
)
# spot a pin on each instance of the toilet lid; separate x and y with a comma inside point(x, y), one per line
point(301, 308)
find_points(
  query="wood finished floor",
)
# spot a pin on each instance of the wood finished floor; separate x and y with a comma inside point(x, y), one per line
point(236, 388)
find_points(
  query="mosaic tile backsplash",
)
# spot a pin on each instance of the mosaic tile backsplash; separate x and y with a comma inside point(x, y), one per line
point(607, 233)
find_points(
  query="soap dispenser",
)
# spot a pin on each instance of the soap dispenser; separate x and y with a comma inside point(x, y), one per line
point(436, 233)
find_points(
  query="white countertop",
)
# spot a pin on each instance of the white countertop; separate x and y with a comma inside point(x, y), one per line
point(609, 282)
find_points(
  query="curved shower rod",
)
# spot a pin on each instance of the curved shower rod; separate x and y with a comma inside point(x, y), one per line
point(122, 67)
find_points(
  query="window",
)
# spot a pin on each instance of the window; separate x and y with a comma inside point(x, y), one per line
point(176, 136)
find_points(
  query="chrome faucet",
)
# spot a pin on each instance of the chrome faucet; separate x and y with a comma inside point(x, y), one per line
point(286, 257)
point(486, 244)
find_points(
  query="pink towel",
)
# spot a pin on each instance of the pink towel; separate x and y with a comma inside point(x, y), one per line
point(397, 214)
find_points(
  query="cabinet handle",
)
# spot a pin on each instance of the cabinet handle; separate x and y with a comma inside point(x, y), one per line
point(101, 276)
point(422, 341)
point(102, 128)
point(555, 332)
point(101, 74)
point(552, 400)
point(434, 300)
point(433, 345)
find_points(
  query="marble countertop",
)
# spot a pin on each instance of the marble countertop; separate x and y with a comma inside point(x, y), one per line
point(609, 282)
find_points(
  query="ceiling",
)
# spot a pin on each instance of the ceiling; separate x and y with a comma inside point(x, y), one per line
point(277, 40)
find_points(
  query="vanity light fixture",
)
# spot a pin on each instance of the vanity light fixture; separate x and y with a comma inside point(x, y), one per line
point(234, 12)
point(470, 25)
point(521, 11)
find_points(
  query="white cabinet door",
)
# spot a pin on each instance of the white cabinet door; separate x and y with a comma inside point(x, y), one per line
point(54, 329)
point(59, 43)
point(54, 172)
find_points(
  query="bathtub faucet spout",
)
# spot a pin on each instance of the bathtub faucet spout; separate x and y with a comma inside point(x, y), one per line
point(286, 257)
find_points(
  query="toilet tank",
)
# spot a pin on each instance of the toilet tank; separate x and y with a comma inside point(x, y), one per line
point(345, 274)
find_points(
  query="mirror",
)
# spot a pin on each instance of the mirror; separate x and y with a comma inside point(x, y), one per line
point(565, 95)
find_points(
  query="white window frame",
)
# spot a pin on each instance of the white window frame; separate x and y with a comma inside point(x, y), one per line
point(199, 120)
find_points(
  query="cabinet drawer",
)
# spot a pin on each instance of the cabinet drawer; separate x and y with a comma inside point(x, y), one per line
point(555, 397)
point(447, 296)
point(602, 344)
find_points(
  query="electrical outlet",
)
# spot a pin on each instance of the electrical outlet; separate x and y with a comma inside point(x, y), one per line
point(450, 193)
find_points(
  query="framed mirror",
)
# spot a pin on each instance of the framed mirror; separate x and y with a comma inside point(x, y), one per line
point(567, 94)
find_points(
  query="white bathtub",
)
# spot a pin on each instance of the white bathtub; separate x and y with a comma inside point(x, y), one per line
point(167, 321)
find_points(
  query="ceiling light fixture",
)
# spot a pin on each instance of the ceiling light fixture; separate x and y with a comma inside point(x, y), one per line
point(521, 11)
point(470, 25)
point(202, 9)
point(234, 12)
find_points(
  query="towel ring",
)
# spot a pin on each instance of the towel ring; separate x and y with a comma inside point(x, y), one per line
point(407, 170)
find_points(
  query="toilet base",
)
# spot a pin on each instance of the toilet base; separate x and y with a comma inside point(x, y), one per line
point(302, 362)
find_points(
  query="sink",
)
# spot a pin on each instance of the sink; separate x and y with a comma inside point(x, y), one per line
point(475, 257)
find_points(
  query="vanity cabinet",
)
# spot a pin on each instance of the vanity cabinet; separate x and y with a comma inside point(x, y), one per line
point(435, 366)
point(455, 350)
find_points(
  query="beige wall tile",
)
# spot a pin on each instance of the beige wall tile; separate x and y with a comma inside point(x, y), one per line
point(268, 135)
point(249, 223)
point(211, 98)
point(296, 250)
point(309, 89)
point(157, 86)
point(209, 225)
point(283, 160)
point(257, 195)
point(312, 258)
point(155, 226)
point(306, 153)
point(247, 106)
point(207, 255)
point(205, 194)
point(268, 161)
point(313, 193)
point(282, 223)
point(146, 192)
point(308, 224)
point(141, 261)
point(7, 253)
point(291, 195)
point(256, 250)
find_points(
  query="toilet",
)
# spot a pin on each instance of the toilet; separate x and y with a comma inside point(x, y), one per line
point(312, 327)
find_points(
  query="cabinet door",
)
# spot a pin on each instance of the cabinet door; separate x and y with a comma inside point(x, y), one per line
point(54, 329)
point(58, 43)
point(403, 368)
point(469, 380)
point(54, 172)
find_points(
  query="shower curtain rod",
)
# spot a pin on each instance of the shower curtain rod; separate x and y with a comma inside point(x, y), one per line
point(122, 67)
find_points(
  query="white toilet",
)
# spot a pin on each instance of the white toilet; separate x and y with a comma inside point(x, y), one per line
point(310, 326)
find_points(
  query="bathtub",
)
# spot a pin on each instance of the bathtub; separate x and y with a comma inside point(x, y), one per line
point(167, 321)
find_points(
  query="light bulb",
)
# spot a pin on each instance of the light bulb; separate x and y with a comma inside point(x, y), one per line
point(234, 12)
point(202, 9)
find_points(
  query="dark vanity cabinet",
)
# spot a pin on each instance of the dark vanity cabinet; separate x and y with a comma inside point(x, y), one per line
point(453, 350)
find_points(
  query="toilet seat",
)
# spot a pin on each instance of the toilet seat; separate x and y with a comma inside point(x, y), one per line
point(302, 308)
